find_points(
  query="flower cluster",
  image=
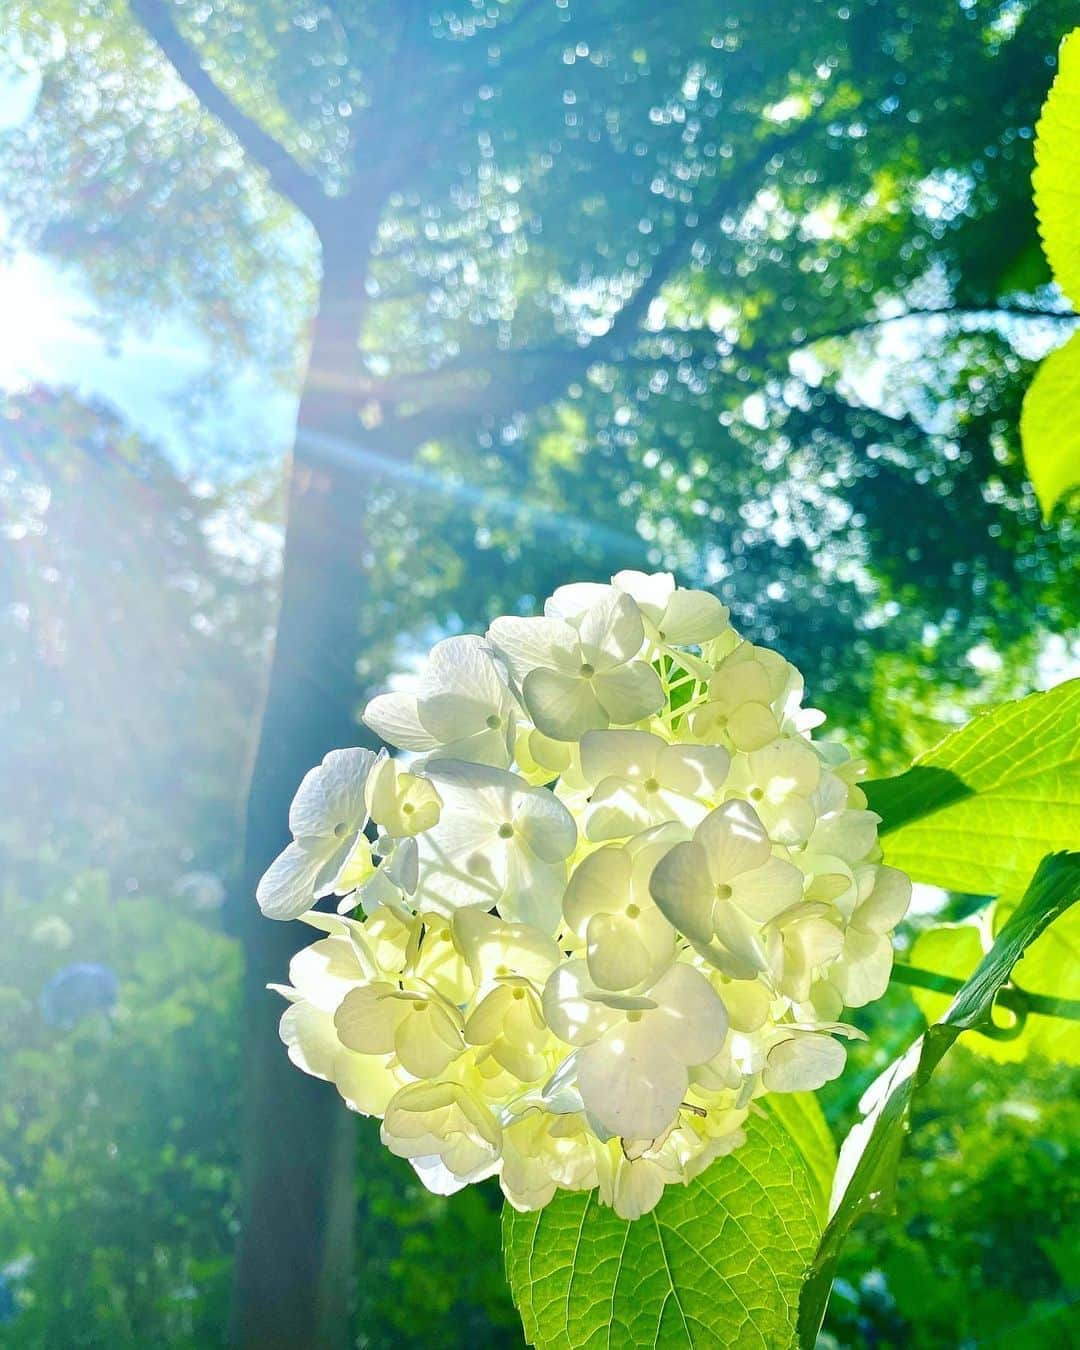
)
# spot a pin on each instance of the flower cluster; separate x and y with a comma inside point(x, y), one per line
point(612, 893)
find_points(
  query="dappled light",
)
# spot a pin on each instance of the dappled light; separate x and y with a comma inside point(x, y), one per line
point(334, 333)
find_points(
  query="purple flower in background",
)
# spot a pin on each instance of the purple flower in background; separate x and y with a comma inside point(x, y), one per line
point(76, 991)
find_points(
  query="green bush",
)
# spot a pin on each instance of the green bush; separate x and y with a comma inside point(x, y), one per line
point(981, 1249)
point(118, 1132)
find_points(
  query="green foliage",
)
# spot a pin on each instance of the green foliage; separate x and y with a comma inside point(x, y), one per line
point(1048, 426)
point(429, 1269)
point(719, 1261)
point(119, 1135)
point(1057, 159)
point(978, 811)
point(982, 1248)
point(852, 484)
point(545, 165)
point(803, 1119)
point(866, 1172)
point(1050, 966)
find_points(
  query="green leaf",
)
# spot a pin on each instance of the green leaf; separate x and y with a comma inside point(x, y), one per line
point(718, 1262)
point(1049, 427)
point(1048, 424)
point(802, 1117)
point(978, 811)
point(1050, 967)
point(1057, 170)
point(866, 1175)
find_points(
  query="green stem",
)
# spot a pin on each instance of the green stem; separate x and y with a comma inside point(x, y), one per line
point(1017, 1000)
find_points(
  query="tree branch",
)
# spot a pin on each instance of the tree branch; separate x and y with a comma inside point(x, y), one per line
point(989, 312)
point(288, 177)
point(557, 364)
point(673, 255)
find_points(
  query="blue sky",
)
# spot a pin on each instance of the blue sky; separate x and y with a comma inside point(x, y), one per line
point(48, 334)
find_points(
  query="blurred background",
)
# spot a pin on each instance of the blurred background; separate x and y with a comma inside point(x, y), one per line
point(480, 298)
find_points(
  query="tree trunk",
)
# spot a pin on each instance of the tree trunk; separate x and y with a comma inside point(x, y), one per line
point(295, 1261)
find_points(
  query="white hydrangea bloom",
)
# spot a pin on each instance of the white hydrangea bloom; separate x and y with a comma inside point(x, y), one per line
point(498, 841)
point(673, 616)
point(639, 780)
point(444, 1121)
point(860, 974)
point(402, 804)
point(462, 709)
point(725, 886)
point(620, 894)
point(579, 666)
point(629, 943)
point(633, 1068)
point(329, 851)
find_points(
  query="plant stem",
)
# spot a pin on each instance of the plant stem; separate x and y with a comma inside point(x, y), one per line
point(1017, 1000)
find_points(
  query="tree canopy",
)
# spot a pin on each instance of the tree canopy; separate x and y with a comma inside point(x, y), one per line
point(611, 283)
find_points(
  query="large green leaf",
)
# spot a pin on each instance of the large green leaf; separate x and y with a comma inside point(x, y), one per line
point(1048, 425)
point(979, 810)
point(866, 1174)
point(1057, 171)
point(802, 1117)
point(718, 1262)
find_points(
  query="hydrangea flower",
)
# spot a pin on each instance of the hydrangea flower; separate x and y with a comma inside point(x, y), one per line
point(462, 708)
point(579, 667)
point(329, 852)
point(616, 893)
point(77, 991)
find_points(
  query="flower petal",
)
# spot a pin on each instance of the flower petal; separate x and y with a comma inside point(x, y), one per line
point(767, 891)
point(611, 630)
point(619, 809)
point(691, 1019)
point(734, 841)
point(428, 1039)
point(526, 644)
point(861, 973)
point(600, 884)
point(570, 602)
point(395, 719)
point(846, 834)
point(569, 1011)
point(326, 971)
point(287, 887)
point(617, 955)
point(803, 1064)
point(562, 706)
point(651, 590)
point(692, 617)
point(544, 824)
point(619, 754)
point(629, 693)
point(785, 767)
point(308, 1033)
point(887, 903)
point(682, 888)
point(534, 892)
point(461, 690)
point(693, 770)
point(368, 1018)
point(331, 795)
point(631, 1083)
